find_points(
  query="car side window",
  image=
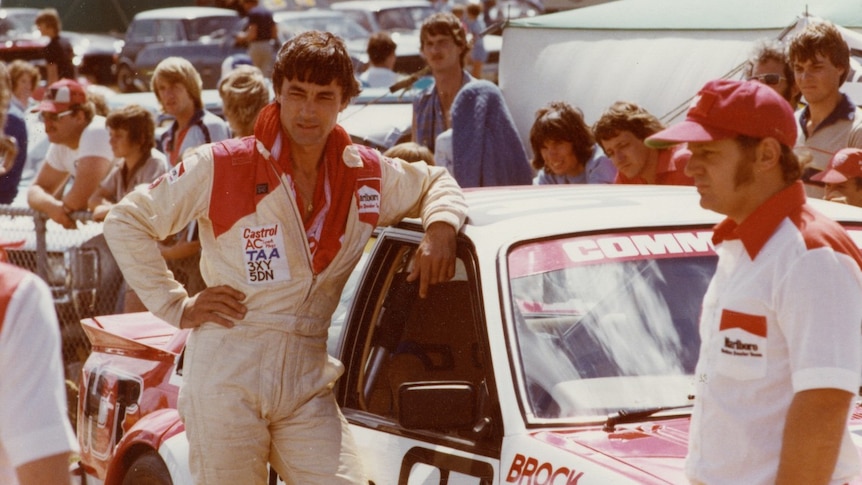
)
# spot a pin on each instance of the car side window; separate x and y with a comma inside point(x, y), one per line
point(143, 31)
point(394, 19)
point(417, 16)
point(411, 342)
point(360, 19)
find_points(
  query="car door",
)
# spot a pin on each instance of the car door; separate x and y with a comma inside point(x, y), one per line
point(419, 388)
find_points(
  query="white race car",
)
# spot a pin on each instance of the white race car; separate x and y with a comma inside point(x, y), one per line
point(562, 352)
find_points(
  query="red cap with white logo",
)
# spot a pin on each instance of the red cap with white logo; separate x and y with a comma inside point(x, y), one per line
point(61, 96)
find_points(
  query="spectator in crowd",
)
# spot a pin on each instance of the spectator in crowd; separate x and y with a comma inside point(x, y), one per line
point(780, 343)
point(58, 53)
point(830, 121)
point(36, 438)
point(458, 10)
point(244, 92)
point(443, 44)
point(232, 62)
point(300, 170)
point(768, 64)
point(260, 35)
point(843, 177)
point(621, 131)
point(98, 95)
point(381, 59)
point(13, 143)
point(25, 77)
point(410, 151)
point(132, 138)
point(178, 86)
point(565, 150)
point(475, 25)
point(483, 144)
point(79, 148)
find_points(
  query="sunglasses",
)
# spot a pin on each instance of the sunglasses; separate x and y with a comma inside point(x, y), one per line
point(43, 116)
point(768, 79)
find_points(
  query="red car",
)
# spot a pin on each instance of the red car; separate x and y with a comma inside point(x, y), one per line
point(128, 399)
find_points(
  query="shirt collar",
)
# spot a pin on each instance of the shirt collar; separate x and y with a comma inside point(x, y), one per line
point(759, 226)
point(844, 110)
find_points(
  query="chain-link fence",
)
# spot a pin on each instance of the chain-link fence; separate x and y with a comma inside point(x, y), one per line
point(77, 265)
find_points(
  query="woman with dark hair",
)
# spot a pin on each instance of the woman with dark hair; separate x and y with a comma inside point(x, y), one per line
point(565, 150)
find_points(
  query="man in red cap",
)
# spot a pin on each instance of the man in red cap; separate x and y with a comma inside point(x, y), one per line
point(781, 347)
point(843, 177)
point(80, 148)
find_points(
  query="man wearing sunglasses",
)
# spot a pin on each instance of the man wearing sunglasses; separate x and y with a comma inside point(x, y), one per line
point(768, 65)
point(80, 148)
point(830, 121)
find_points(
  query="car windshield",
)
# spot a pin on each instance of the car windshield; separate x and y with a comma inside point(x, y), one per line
point(608, 323)
point(403, 18)
point(211, 26)
point(18, 24)
point(343, 27)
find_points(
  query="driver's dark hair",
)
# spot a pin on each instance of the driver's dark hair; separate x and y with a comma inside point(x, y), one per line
point(315, 57)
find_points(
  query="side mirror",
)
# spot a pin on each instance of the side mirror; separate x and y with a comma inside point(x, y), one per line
point(437, 405)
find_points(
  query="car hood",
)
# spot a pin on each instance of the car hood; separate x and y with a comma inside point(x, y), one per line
point(646, 452)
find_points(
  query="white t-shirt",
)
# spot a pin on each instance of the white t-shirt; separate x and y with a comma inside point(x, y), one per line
point(33, 419)
point(94, 142)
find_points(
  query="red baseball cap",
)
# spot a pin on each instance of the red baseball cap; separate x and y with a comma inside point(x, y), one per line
point(846, 164)
point(726, 108)
point(61, 96)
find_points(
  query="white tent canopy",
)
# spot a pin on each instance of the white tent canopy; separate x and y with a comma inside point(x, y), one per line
point(656, 53)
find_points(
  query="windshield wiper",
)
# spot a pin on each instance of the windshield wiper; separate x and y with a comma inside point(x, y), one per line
point(632, 416)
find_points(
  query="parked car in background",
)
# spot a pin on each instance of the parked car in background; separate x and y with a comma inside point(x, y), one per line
point(388, 15)
point(280, 5)
point(203, 35)
point(19, 38)
point(504, 10)
point(94, 54)
point(292, 22)
point(563, 350)
point(403, 19)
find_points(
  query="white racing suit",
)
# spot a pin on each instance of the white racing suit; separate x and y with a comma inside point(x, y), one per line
point(262, 390)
